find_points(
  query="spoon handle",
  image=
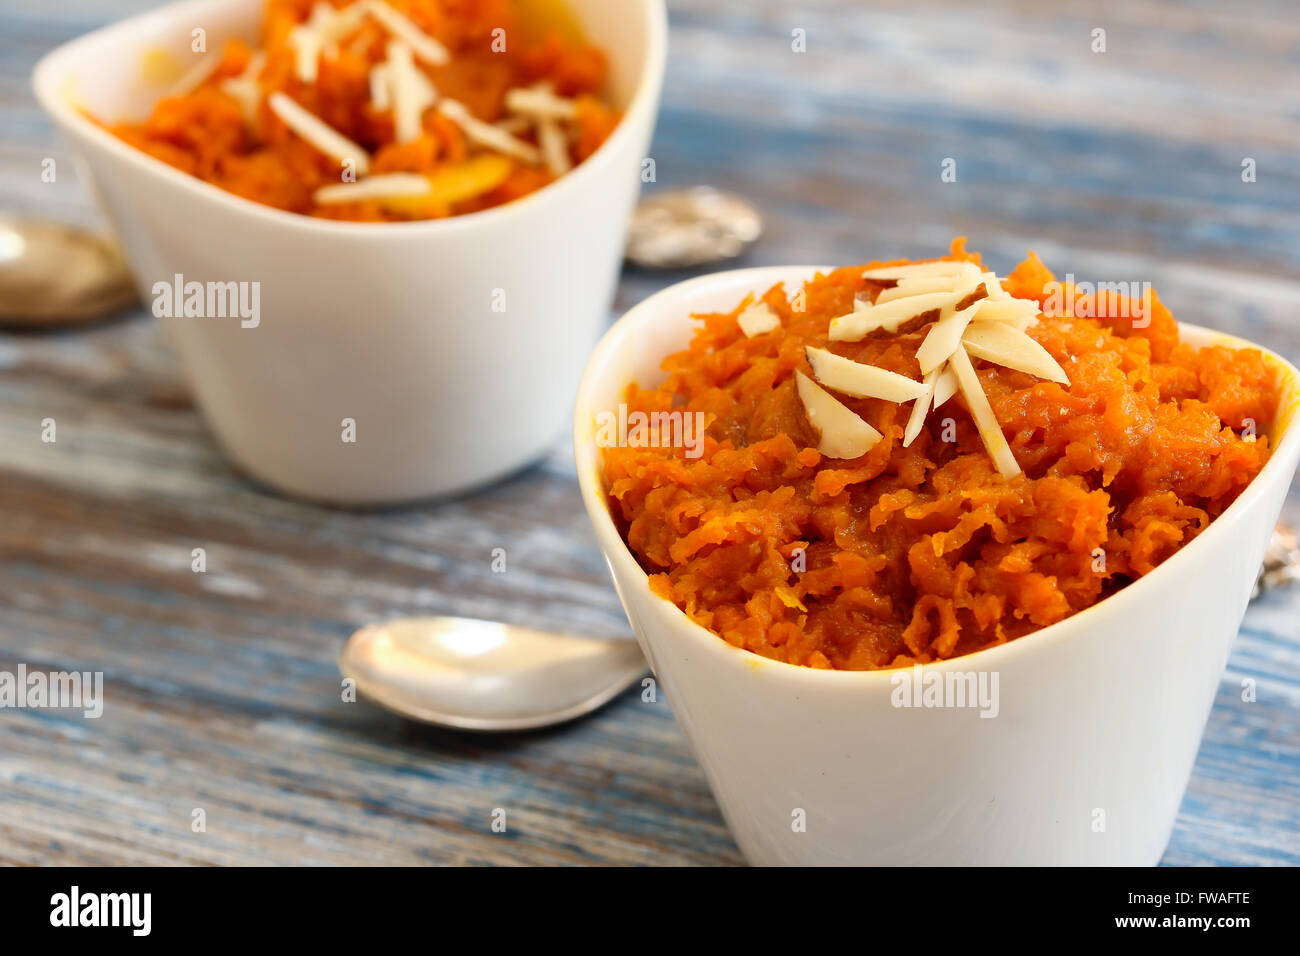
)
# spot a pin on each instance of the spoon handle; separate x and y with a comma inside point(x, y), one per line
point(1281, 562)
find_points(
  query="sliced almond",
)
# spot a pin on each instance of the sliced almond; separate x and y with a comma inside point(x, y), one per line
point(758, 319)
point(307, 45)
point(976, 317)
point(944, 339)
point(945, 388)
point(403, 27)
point(485, 134)
point(411, 92)
point(860, 323)
point(860, 380)
point(992, 286)
point(387, 186)
point(320, 34)
point(925, 270)
point(334, 24)
point(1009, 347)
point(514, 125)
point(843, 433)
point(541, 102)
point(245, 88)
point(381, 84)
point(922, 408)
point(982, 412)
point(1019, 313)
point(554, 142)
point(921, 286)
point(319, 133)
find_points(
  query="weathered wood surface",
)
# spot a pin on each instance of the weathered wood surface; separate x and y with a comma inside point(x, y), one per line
point(221, 688)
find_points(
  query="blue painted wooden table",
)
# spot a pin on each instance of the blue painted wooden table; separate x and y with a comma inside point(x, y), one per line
point(221, 689)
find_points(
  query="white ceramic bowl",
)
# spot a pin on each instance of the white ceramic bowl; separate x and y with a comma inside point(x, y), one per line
point(390, 325)
point(1099, 717)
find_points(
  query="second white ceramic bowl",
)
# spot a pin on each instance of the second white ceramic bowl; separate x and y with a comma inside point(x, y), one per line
point(453, 346)
point(1098, 718)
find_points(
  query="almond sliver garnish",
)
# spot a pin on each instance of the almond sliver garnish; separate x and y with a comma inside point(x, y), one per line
point(404, 28)
point(405, 191)
point(911, 287)
point(1009, 347)
point(843, 433)
point(860, 380)
point(410, 91)
point(996, 292)
point(554, 142)
point(485, 134)
point(318, 133)
point(1020, 313)
point(925, 270)
point(758, 319)
point(319, 34)
point(388, 186)
point(858, 324)
point(945, 388)
point(380, 83)
point(944, 338)
point(307, 46)
point(245, 89)
point(514, 125)
point(990, 328)
point(334, 24)
point(987, 423)
point(542, 103)
point(922, 408)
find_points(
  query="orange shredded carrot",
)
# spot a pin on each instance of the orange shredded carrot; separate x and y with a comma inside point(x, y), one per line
point(206, 134)
point(924, 553)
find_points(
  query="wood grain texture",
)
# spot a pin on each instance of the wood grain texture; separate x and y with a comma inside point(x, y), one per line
point(221, 687)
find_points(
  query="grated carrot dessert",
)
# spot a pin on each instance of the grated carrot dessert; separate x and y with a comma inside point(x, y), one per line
point(907, 462)
point(387, 110)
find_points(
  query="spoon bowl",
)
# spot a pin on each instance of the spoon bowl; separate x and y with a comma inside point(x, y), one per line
point(53, 275)
point(485, 675)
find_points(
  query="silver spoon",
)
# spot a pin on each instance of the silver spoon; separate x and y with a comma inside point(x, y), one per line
point(690, 228)
point(1281, 562)
point(485, 675)
point(54, 275)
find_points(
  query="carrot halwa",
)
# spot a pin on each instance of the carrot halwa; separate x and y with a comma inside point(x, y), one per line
point(387, 110)
point(926, 552)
